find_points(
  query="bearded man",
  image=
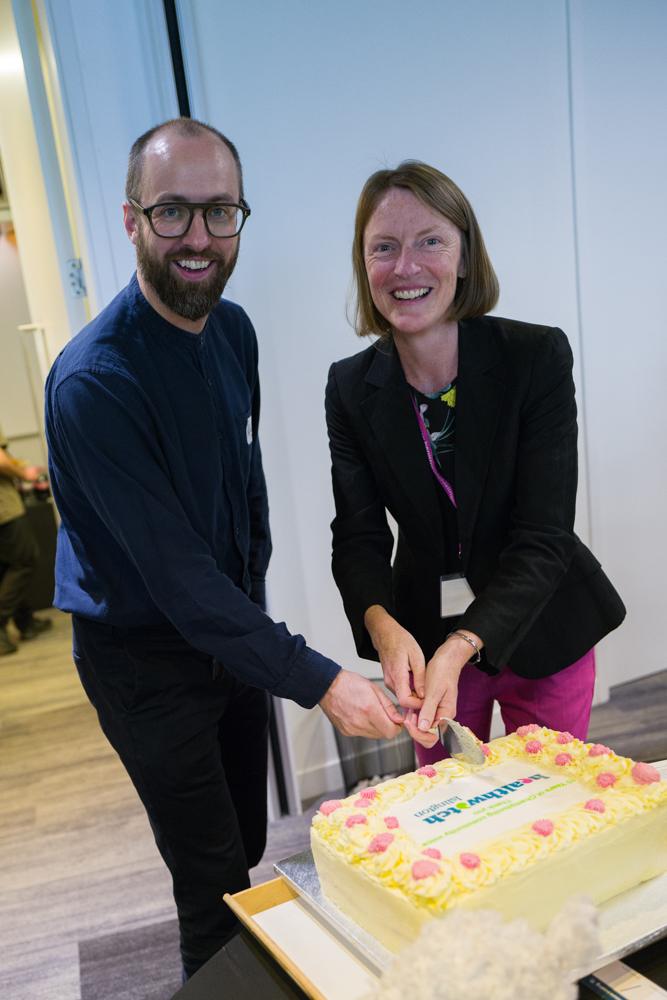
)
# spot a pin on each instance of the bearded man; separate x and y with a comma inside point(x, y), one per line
point(152, 414)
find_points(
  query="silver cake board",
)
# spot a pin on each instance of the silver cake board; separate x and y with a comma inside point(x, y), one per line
point(628, 922)
point(301, 874)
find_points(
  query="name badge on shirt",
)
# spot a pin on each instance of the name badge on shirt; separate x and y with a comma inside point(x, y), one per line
point(455, 595)
point(248, 430)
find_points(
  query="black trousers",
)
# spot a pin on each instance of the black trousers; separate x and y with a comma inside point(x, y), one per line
point(18, 560)
point(194, 742)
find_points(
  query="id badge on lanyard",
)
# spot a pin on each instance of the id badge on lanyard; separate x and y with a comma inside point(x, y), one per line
point(456, 595)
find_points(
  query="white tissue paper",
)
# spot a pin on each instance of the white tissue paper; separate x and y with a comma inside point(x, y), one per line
point(473, 954)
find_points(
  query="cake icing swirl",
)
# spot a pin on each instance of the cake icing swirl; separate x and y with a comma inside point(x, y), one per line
point(619, 788)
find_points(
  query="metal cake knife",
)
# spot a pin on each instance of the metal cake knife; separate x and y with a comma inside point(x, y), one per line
point(457, 740)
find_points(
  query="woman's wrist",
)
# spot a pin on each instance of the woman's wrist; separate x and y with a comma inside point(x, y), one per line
point(377, 621)
point(472, 644)
point(457, 651)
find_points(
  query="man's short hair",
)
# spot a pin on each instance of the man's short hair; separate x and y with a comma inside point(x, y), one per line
point(476, 293)
point(189, 127)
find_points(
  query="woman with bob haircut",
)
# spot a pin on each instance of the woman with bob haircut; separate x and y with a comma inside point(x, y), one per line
point(463, 426)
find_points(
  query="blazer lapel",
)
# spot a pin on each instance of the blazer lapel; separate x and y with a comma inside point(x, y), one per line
point(393, 422)
point(479, 402)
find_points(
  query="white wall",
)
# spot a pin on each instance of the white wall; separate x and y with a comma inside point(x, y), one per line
point(114, 68)
point(620, 143)
point(17, 414)
point(317, 97)
point(27, 193)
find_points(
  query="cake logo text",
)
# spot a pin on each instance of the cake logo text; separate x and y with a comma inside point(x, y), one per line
point(454, 805)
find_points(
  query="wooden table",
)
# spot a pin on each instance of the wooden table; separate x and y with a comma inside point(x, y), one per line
point(246, 970)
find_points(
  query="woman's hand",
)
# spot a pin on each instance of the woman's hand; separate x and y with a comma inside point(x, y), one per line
point(442, 682)
point(400, 655)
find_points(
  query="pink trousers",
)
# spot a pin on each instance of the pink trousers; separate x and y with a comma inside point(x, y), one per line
point(562, 701)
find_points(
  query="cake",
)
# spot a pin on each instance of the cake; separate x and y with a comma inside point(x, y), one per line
point(544, 817)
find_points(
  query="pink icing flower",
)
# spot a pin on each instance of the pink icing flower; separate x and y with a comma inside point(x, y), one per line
point(533, 746)
point(595, 805)
point(469, 860)
point(606, 780)
point(485, 750)
point(380, 843)
point(564, 738)
point(427, 771)
point(328, 807)
point(424, 869)
point(525, 730)
point(391, 822)
point(526, 781)
point(368, 793)
point(645, 774)
point(355, 819)
point(544, 827)
point(433, 852)
point(598, 749)
point(562, 759)
point(361, 803)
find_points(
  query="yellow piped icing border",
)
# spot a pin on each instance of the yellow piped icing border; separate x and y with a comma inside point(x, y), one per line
point(362, 831)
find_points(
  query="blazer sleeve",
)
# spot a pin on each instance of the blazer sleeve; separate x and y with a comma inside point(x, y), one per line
point(542, 542)
point(362, 540)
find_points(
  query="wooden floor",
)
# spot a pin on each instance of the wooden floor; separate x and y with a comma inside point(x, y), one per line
point(634, 720)
point(77, 857)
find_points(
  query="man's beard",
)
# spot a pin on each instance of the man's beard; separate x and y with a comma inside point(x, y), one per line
point(191, 300)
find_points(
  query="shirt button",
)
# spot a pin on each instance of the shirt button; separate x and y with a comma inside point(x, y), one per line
point(209, 382)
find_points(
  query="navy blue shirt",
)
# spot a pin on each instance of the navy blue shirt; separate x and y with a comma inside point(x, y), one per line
point(157, 473)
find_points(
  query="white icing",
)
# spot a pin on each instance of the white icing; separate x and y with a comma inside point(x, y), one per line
point(457, 816)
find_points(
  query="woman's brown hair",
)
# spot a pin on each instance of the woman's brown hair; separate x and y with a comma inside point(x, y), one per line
point(476, 294)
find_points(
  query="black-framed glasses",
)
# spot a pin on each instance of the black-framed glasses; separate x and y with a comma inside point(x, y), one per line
point(171, 219)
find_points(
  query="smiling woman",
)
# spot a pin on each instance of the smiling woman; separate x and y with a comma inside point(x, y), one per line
point(463, 426)
point(476, 290)
point(413, 263)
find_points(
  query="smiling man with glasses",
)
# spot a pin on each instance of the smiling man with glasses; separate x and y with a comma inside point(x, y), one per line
point(152, 415)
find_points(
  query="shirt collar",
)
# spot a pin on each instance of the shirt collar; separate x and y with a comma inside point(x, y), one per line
point(156, 323)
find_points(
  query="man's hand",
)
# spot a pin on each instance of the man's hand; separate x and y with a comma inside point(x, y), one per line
point(400, 655)
point(358, 707)
point(13, 469)
point(442, 682)
point(30, 473)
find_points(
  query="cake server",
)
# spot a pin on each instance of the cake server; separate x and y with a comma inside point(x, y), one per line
point(457, 740)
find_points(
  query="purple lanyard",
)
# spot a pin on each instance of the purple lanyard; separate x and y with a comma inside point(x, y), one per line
point(431, 461)
point(429, 451)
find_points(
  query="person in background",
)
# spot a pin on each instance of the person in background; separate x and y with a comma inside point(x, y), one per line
point(464, 427)
point(152, 417)
point(18, 553)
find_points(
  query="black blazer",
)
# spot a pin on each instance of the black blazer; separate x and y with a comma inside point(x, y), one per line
point(541, 598)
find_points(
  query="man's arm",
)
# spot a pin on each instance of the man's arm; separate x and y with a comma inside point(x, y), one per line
point(104, 444)
point(258, 510)
point(13, 469)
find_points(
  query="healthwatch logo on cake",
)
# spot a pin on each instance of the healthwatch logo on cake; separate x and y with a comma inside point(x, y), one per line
point(439, 812)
